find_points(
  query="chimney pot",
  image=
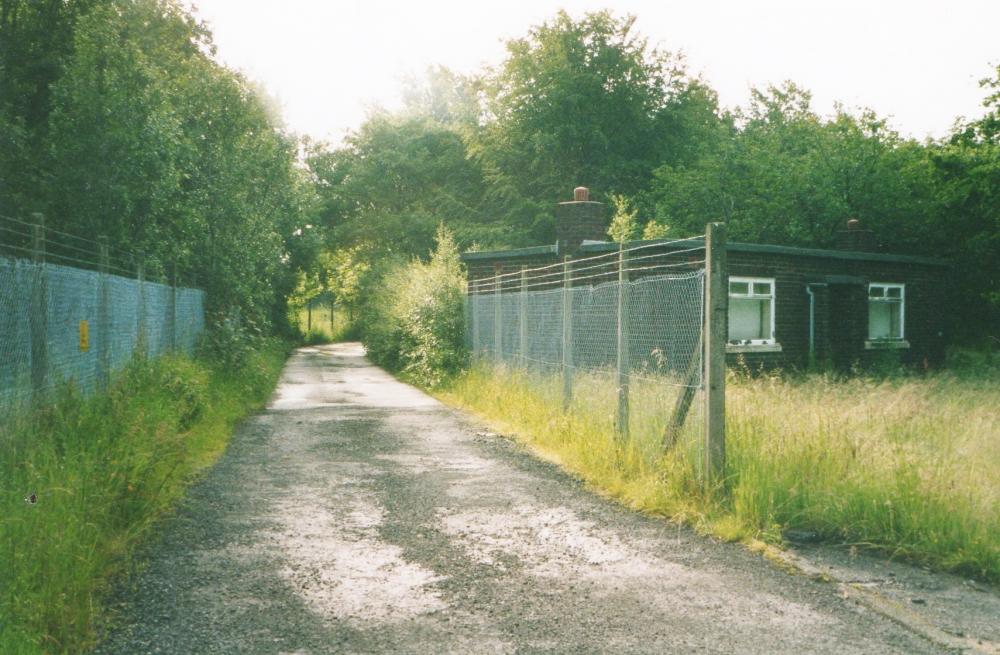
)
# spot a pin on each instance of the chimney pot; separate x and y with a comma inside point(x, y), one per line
point(856, 238)
point(581, 194)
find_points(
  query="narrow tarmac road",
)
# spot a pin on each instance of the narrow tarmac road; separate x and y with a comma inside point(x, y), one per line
point(358, 515)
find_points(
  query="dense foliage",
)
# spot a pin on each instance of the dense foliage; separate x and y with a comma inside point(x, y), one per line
point(588, 101)
point(116, 120)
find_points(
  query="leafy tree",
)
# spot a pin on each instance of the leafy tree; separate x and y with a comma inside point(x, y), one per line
point(624, 226)
point(967, 176)
point(346, 273)
point(585, 102)
point(395, 179)
point(655, 230)
point(443, 96)
point(156, 146)
point(787, 176)
point(36, 36)
point(14, 161)
point(588, 101)
point(116, 120)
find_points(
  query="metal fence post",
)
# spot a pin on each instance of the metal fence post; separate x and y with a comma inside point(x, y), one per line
point(474, 301)
point(141, 343)
point(172, 310)
point(623, 363)
point(103, 316)
point(716, 328)
point(38, 312)
point(523, 322)
point(497, 317)
point(567, 334)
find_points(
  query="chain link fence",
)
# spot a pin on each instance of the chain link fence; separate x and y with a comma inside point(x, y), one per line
point(62, 323)
point(620, 331)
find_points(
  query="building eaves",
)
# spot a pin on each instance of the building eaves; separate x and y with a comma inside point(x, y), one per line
point(510, 254)
point(605, 246)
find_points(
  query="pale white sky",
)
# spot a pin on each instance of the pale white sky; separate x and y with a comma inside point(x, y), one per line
point(328, 62)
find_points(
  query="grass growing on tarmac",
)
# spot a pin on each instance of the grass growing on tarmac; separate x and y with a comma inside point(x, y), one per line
point(103, 470)
point(906, 465)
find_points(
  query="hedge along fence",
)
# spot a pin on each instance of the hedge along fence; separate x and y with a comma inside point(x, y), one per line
point(62, 323)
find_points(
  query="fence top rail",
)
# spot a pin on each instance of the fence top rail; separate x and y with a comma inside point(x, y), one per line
point(55, 262)
point(72, 249)
point(491, 282)
point(68, 260)
point(49, 229)
point(550, 286)
point(611, 253)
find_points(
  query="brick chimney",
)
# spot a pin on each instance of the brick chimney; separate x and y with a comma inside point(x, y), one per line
point(856, 238)
point(578, 221)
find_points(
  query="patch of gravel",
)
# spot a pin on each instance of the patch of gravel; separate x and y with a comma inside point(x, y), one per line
point(358, 515)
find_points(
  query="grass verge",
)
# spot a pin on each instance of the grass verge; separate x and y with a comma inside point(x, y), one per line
point(103, 469)
point(905, 465)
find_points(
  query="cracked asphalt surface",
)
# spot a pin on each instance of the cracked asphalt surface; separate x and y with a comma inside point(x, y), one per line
point(358, 515)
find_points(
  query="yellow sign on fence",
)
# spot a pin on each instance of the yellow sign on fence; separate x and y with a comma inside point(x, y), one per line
point(84, 336)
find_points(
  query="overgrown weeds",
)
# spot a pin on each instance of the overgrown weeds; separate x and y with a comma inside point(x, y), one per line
point(905, 465)
point(82, 479)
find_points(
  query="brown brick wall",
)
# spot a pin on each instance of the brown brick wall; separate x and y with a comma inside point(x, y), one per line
point(841, 308)
point(579, 221)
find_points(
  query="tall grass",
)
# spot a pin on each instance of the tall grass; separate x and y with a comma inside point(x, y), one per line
point(103, 469)
point(905, 465)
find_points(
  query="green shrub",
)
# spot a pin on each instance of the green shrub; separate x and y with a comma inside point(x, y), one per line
point(229, 341)
point(414, 321)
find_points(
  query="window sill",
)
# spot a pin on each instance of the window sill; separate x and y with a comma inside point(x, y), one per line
point(887, 344)
point(753, 348)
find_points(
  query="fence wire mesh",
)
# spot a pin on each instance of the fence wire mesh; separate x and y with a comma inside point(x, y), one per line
point(635, 323)
point(60, 323)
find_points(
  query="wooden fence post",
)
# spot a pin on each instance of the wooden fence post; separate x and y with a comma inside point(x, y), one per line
point(567, 334)
point(523, 322)
point(38, 312)
point(497, 317)
point(623, 363)
point(103, 316)
point(695, 367)
point(716, 328)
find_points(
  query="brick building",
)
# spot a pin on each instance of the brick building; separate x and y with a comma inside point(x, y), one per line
point(787, 306)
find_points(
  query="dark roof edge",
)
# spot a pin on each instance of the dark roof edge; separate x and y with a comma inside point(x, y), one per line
point(507, 254)
point(781, 250)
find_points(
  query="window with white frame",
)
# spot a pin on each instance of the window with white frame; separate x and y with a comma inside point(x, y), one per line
point(886, 309)
point(751, 310)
